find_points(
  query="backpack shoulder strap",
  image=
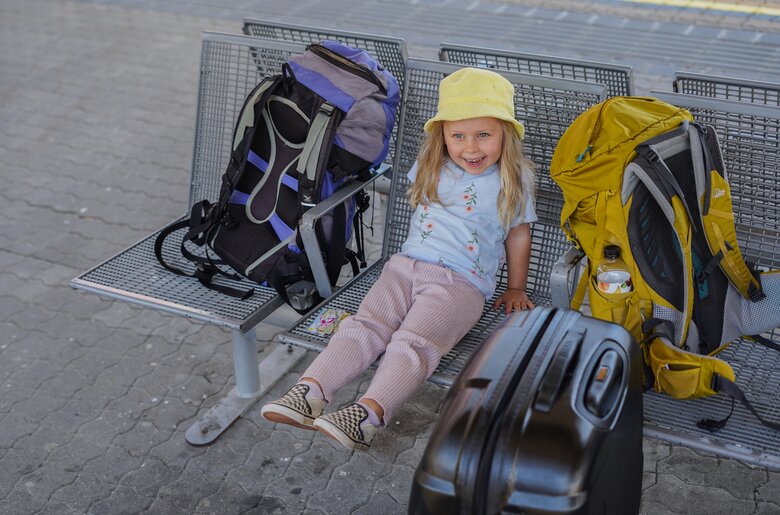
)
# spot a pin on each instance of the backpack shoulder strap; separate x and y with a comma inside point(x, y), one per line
point(247, 117)
point(717, 215)
point(673, 260)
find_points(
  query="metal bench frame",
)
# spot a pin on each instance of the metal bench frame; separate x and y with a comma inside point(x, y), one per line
point(230, 67)
point(728, 88)
point(618, 79)
point(750, 140)
point(546, 106)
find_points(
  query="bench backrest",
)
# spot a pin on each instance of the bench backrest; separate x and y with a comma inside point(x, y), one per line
point(230, 67)
point(728, 88)
point(389, 51)
point(545, 105)
point(617, 78)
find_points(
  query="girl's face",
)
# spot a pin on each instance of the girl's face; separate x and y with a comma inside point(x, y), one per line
point(474, 144)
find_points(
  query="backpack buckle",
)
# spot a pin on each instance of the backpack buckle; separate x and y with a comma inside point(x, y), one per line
point(306, 192)
point(652, 156)
point(756, 294)
point(326, 108)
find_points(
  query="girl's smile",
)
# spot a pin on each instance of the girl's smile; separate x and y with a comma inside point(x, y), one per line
point(475, 162)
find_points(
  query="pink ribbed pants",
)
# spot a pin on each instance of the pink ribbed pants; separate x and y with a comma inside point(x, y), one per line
point(414, 314)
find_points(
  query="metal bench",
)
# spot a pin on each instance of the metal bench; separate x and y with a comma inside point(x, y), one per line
point(617, 78)
point(230, 67)
point(546, 106)
point(391, 52)
point(728, 88)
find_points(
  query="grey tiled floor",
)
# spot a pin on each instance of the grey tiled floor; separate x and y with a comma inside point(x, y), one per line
point(97, 105)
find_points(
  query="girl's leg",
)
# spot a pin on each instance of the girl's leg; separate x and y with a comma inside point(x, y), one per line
point(446, 306)
point(363, 337)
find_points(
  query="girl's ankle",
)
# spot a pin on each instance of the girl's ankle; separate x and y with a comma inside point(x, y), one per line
point(374, 409)
point(314, 387)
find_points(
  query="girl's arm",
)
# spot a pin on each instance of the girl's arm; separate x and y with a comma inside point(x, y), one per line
point(518, 254)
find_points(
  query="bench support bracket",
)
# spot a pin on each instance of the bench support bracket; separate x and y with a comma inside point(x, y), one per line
point(252, 381)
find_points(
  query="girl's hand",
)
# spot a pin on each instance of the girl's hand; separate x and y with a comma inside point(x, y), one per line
point(514, 299)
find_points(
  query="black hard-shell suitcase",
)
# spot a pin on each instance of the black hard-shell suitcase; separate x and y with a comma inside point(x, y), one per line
point(546, 417)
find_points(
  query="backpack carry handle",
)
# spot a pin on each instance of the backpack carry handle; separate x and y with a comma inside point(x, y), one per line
point(288, 77)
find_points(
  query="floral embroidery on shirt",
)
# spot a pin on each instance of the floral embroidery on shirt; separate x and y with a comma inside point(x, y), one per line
point(470, 197)
point(426, 226)
point(476, 268)
point(472, 245)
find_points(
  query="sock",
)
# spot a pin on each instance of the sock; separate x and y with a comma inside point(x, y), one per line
point(372, 416)
point(313, 389)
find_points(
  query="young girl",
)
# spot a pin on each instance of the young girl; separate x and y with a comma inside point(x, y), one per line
point(472, 195)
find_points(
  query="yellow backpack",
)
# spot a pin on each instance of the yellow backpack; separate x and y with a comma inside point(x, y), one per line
point(636, 172)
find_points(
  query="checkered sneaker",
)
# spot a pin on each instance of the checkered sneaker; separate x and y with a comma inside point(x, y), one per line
point(296, 408)
point(349, 426)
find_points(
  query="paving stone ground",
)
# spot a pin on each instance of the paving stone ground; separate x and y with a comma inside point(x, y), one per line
point(97, 109)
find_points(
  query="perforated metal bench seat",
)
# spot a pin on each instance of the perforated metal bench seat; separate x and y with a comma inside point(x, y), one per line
point(134, 275)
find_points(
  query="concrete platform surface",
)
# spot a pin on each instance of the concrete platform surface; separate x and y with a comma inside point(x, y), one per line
point(97, 107)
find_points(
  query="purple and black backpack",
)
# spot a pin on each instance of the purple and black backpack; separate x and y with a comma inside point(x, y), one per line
point(301, 134)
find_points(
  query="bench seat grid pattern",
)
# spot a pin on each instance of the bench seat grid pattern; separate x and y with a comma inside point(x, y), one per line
point(617, 78)
point(749, 137)
point(230, 67)
point(546, 107)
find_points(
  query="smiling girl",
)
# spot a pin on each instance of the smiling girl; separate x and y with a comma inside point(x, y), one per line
point(472, 195)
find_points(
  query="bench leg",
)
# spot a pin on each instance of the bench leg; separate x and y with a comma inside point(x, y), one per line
point(252, 381)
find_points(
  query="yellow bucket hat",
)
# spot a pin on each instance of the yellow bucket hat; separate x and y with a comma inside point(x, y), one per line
point(476, 93)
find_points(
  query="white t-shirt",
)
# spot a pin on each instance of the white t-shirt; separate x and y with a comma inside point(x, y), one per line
point(464, 232)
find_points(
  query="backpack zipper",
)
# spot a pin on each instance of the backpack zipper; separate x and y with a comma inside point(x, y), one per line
point(342, 62)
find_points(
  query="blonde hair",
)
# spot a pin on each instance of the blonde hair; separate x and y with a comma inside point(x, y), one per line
point(515, 170)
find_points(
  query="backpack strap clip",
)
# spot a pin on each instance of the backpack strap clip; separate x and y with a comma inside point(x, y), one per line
point(756, 294)
point(649, 154)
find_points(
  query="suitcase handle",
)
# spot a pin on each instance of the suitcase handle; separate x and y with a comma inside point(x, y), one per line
point(603, 390)
point(558, 370)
